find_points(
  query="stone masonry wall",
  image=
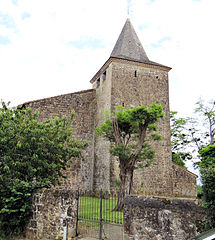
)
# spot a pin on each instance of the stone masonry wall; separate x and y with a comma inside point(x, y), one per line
point(184, 182)
point(153, 218)
point(120, 82)
point(135, 84)
point(84, 105)
point(54, 215)
point(102, 154)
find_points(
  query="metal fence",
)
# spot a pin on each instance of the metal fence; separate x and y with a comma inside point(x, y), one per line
point(96, 215)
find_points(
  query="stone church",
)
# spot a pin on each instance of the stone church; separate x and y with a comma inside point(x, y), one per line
point(128, 77)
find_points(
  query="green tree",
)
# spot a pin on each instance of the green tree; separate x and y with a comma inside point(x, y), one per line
point(180, 139)
point(128, 130)
point(33, 155)
point(207, 170)
point(207, 112)
point(203, 137)
point(198, 135)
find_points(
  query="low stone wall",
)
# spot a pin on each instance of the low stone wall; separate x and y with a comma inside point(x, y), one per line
point(54, 215)
point(157, 218)
point(154, 218)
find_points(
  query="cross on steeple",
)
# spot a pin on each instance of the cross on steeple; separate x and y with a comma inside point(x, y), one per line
point(128, 7)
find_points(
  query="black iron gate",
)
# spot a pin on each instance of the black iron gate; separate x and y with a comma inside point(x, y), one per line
point(96, 216)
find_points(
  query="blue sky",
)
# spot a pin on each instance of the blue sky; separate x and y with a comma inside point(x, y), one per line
point(52, 47)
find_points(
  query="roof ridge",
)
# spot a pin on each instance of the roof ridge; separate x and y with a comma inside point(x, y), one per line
point(60, 95)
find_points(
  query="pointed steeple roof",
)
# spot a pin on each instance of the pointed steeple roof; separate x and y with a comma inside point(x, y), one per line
point(128, 45)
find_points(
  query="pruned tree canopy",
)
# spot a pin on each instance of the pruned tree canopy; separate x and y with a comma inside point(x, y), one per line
point(128, 130)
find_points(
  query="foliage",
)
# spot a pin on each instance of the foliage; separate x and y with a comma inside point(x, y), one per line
point(32, 156)
point(203, 134)
point(208, 112)
point(203, 137)
point(179, 139)
point(199, 191)
point(180, 158)
point(198, 136)
point(127, 130)
point(189, 135)
point(177, 131)
point(207, 170)
point(117, 183)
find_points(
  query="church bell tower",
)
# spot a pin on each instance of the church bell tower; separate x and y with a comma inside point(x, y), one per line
point(128, 77)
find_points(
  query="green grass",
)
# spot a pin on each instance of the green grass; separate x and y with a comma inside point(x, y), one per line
point(89, 208)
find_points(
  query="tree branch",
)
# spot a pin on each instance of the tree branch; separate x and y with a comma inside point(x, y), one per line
point(116, 131)
point(142, 136)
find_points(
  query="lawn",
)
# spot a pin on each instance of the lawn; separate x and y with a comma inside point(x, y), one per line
point(89, 208)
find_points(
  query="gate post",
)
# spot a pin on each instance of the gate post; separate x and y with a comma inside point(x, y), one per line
point(101, 220)
point(77, 217)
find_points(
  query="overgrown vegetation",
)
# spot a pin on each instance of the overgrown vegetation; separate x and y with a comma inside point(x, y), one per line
point(198, 137)
point(207, 170)
point(179, 139)
point(205, 142)
point(199, 191)
point(33, 155)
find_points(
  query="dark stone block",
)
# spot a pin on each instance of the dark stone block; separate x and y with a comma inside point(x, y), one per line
point(70, 212)
point(33, 224)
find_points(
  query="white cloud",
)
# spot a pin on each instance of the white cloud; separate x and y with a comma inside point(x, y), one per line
point(175, 33)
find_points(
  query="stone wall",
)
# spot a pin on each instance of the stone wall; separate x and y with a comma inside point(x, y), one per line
point(83, 126)
point(54, 215)
point(184, 182)
point(119, 82)
point(145, 218)
point(157, 218)
point(102, 154)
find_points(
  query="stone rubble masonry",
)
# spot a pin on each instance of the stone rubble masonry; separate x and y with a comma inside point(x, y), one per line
point(184, 182)
point(53, 212)
point(119, 82)
point(158, 218)
point(80, 174)
point(123, 82)
point(102, 154)
point(135, 85)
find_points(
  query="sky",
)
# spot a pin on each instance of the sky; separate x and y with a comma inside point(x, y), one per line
point(54, 47)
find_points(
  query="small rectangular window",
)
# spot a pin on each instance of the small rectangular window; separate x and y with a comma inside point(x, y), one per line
point(98, 82)
point(104, 75)
point(135, 73)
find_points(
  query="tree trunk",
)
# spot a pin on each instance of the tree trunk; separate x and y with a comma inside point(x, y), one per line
point(126, 176)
